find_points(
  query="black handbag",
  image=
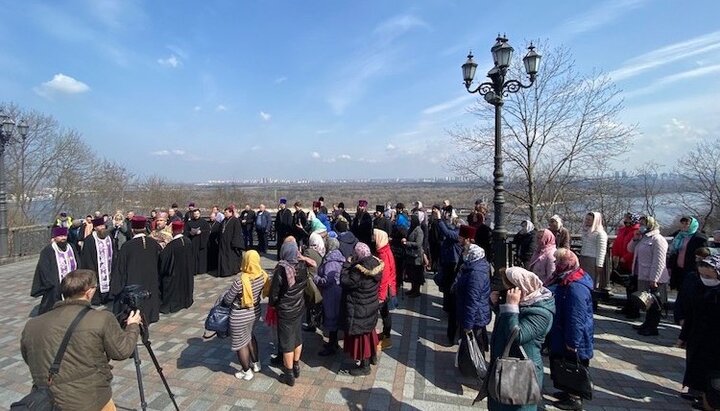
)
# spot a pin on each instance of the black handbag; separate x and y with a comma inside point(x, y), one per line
point(41, 398)
point(218, 319)
point(572, 377)
point(471, 360)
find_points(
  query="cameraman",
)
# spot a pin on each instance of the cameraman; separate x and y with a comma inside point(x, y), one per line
point(83, 382)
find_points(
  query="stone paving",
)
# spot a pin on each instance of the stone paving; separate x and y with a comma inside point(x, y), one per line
point(630, 372)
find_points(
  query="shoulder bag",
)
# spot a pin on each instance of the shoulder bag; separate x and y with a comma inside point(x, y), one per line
point(571, 376)
point(218, 319)
point(512, 381)
point(41, 398)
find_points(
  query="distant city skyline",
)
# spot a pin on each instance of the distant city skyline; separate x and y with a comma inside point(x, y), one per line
point(284, 90)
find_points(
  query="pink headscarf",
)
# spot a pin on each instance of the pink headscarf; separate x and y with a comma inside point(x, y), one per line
point(361, 251)
point(530, 284)
point(545, 245)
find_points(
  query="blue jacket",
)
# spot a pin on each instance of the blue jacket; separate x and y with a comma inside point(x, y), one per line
point(573, 322)
point(472, 294)
point(262, 221)
point(450, 250)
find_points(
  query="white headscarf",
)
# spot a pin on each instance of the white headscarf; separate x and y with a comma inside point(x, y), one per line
point(316, 243)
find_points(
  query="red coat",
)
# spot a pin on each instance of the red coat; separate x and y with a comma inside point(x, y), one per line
point(387, 284)
point(620, 246)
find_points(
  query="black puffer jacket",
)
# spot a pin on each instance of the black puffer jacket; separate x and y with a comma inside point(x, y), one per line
point(288, 301)
point(360, 285)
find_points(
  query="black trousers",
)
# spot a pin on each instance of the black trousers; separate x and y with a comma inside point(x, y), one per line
point(262, 240)
point(386, 318)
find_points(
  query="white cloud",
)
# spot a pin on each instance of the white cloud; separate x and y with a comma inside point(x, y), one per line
point(178, 51)
point(399, 25)
point(172, 61)
point(674, 78)
point(449, 105)
point(179, 152)
point(390, 147)
point(265, 116)
point(315, 154)
point(255, 148)
point(345, 156)
point(598, 16)
point(168, 152)
point(220, 107)
point(668, 54)
point(280, 80)
point(197, 108)
point(61, 84)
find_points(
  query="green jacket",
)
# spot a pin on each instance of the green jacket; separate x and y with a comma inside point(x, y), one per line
point(83, 382)
point(534, 322)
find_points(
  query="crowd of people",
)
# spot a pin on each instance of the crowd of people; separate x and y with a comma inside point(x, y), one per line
point(343, 273)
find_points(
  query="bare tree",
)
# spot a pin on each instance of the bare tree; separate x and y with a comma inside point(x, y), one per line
point(700, 171)
point(555, 132)
point(651, 187)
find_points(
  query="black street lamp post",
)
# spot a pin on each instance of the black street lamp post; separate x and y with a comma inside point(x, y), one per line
point(494, 91)
point(7, 131)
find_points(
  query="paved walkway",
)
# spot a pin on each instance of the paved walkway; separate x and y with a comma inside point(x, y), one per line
point(630, 372)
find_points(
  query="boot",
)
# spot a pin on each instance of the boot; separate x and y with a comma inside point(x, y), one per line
point(570, 403)
point(362, 369)
point(373, 356)
point(652, 320)
point(296, 369)
point(287, 377)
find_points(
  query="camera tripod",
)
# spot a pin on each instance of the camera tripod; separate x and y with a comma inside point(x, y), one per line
point(145, 337)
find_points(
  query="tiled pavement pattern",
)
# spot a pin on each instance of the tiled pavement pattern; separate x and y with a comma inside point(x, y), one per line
point(630, 372)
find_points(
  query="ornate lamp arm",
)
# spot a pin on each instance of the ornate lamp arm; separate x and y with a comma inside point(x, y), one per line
point(513, 86)
point(482, 88)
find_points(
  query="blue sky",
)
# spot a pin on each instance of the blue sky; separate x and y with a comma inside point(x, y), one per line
point(322, 89)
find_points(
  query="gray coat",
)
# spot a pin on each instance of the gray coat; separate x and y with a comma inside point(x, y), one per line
point(414, 247)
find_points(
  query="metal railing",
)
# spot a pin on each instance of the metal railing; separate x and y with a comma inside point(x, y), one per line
point(27, 240)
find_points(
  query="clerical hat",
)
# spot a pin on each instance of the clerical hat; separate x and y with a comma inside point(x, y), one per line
point(177, 226)
point(380, 208)
point(98, 221)
point(59, 231)
point(317, 204)
point(138, 222)
point(283, 200)
point(362, 203)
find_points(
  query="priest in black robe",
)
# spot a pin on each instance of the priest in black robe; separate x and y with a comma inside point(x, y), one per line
point(56, 260)
point(283, 224)
point(362, 224)
point(213, 246)
point(137, 264)
point(177, 272)
point(98, 255)
point(381, 222)
point(231, 243)
point(299, 222)
point(198, 231)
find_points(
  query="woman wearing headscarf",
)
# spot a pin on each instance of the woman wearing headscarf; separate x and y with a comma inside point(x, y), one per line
point(682, 259)
point(244, 298)
point(286, 295)
point(571, 336)
point(622, 261)
point(398, 234)
point(524, 242)
point(649, 264)
point(315, 251)
point(562, 235)
point(701, 335)
point(594, 250)
point(472, 288)
point(414, 264)
point(542, 262)
point(328, 281)
point(386, 290)
point(529, 306)
point(360, 279)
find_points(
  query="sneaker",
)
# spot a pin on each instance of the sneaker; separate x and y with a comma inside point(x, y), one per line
point(386, 343)
point(245, 375)
point(569, 404)
point(639, 326)
point(256, 366)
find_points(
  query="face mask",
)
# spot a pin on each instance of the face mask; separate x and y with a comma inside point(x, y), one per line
point(62, 245)
point(643, 229)
point(710, 282)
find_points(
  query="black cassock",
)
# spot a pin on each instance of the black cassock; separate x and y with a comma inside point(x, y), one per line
point(176, 275)
point(46, 282)
point(362, 227)
point(213, 246)
point(230, 250)
point(137, 263)
point(199, 244)
point(88, 260)
point(283, 226)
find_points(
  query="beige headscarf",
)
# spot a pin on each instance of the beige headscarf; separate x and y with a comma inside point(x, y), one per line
point(380, 237)
point(530, 284)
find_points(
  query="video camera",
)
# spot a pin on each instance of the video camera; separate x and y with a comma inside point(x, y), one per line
point(130, 300)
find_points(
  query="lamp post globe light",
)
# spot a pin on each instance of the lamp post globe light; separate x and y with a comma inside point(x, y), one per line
point(8, 129)
point(493, 91)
